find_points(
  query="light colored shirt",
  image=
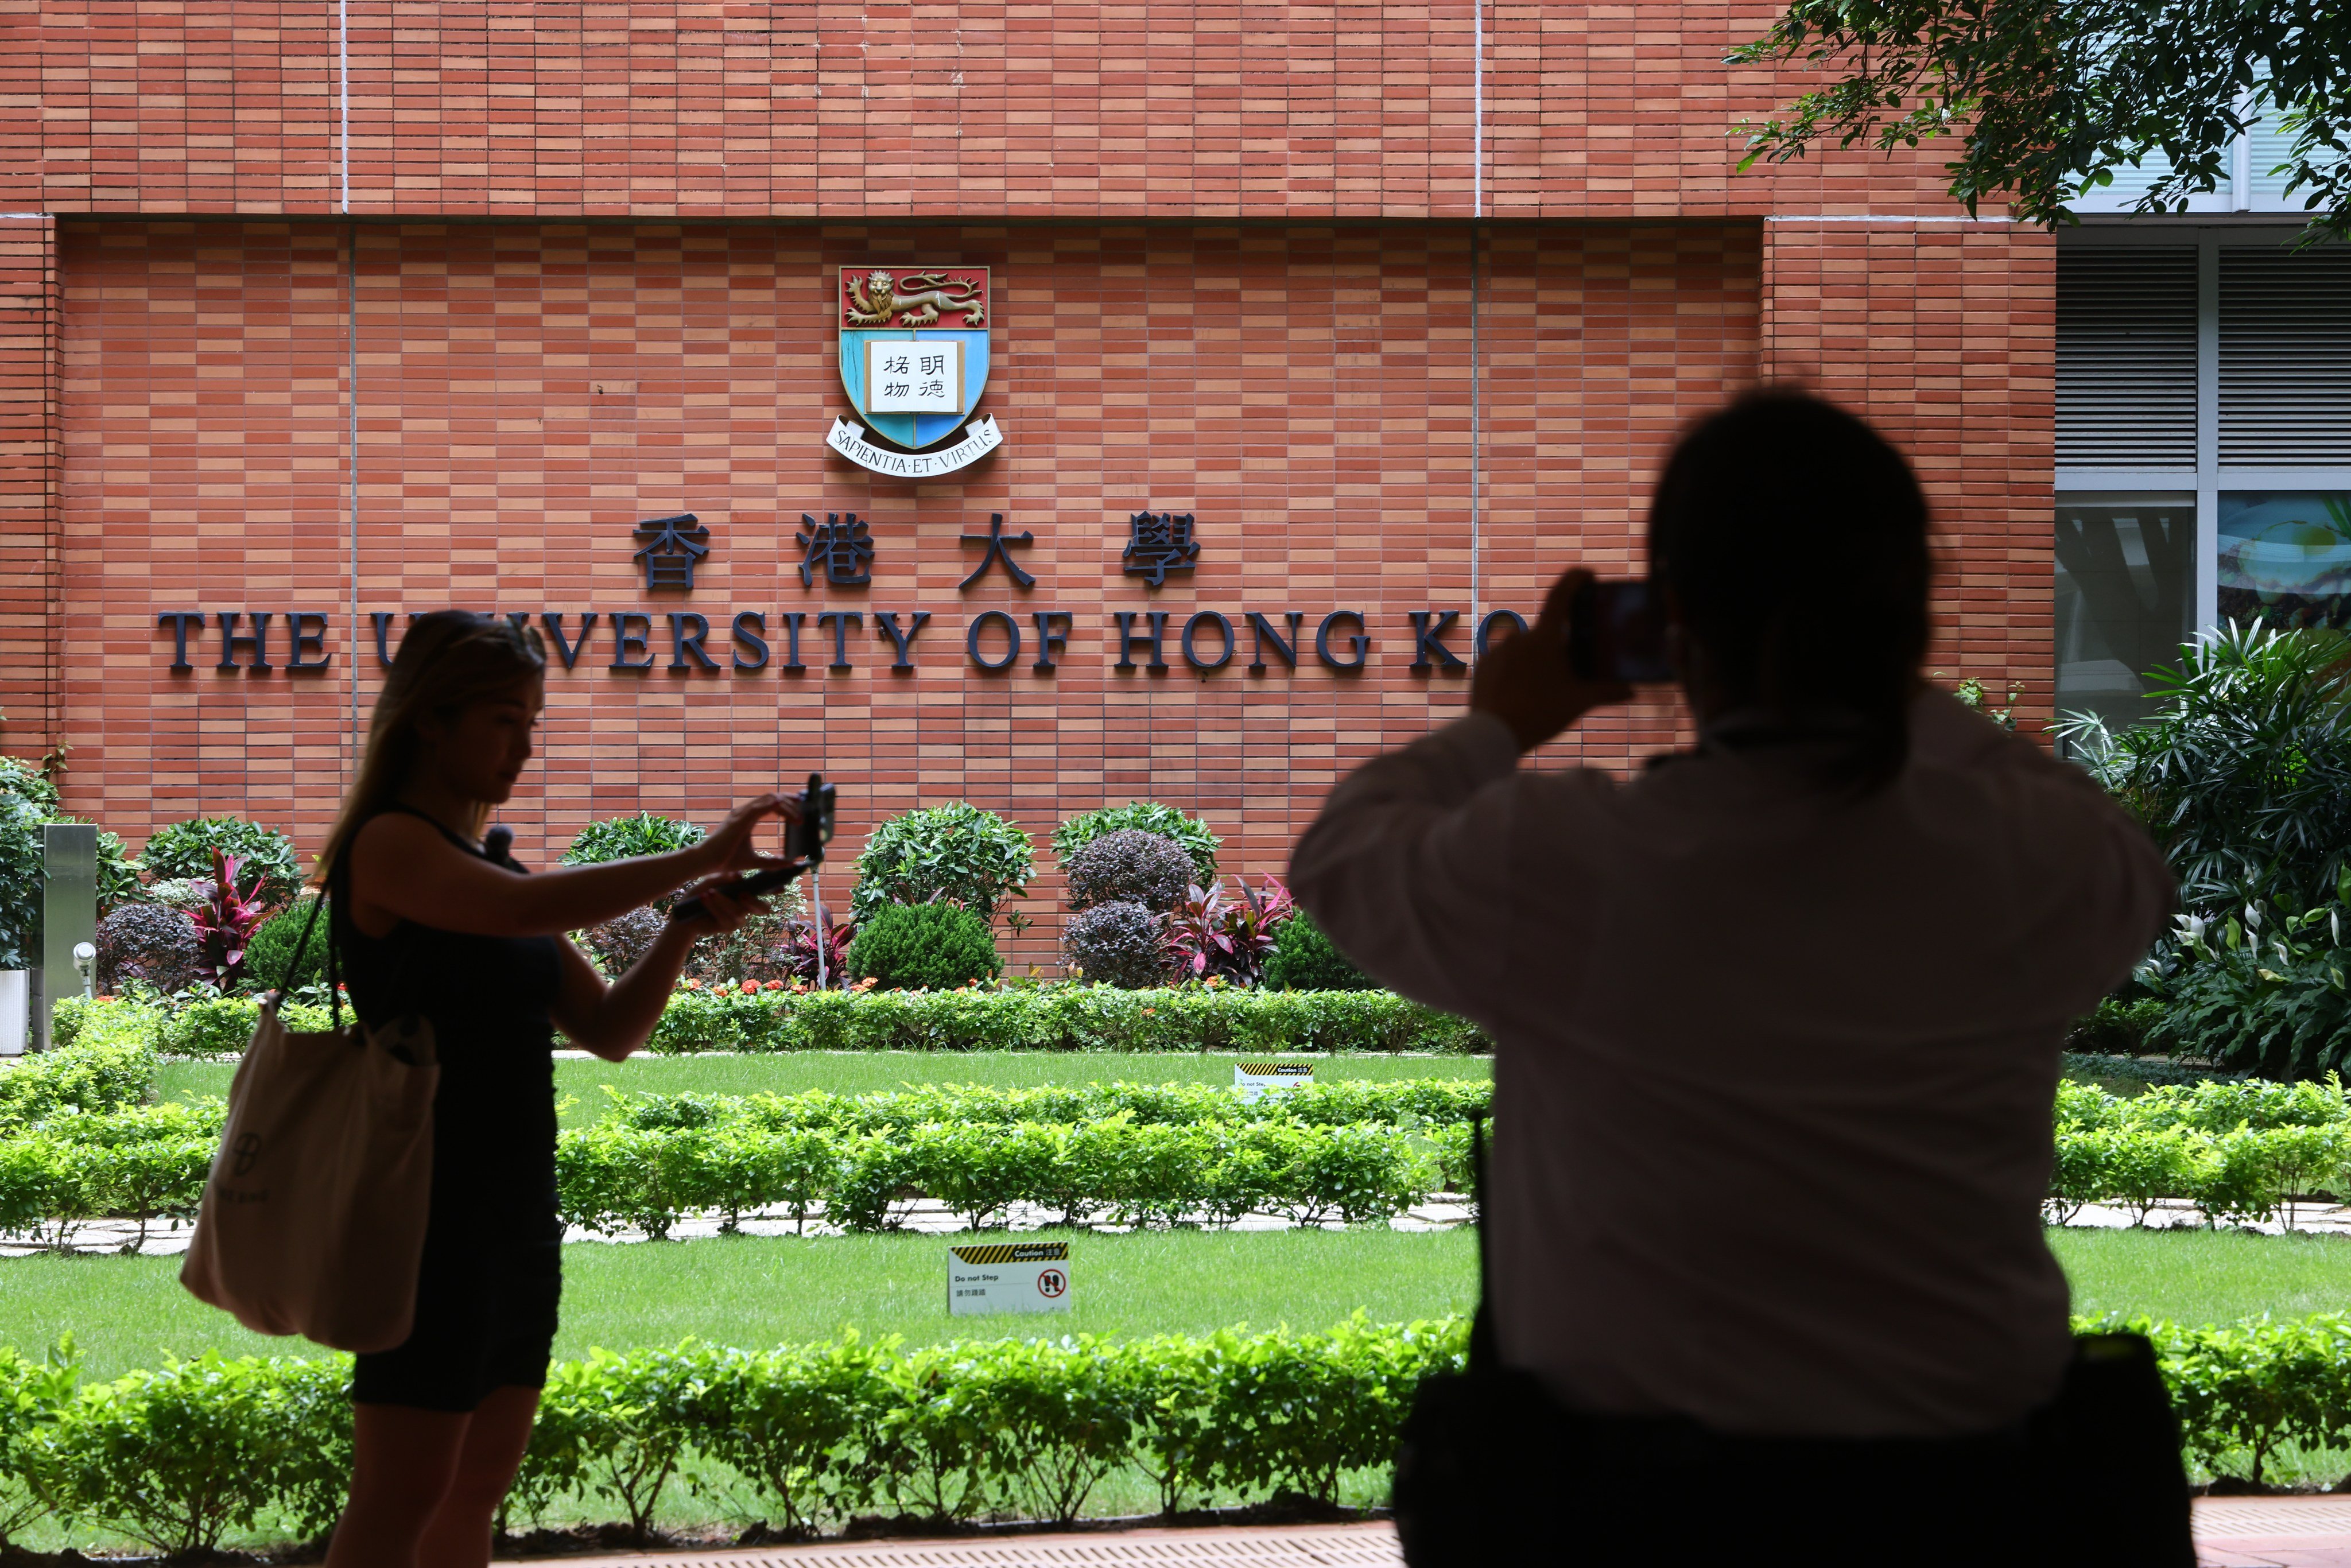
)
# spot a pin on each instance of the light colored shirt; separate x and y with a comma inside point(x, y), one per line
point(1774, 1070)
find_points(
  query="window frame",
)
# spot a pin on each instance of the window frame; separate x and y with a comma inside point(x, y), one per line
point(2207, 478)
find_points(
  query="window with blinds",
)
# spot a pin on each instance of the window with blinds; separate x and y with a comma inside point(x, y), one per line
point(2286, 357)
point(2126, 357)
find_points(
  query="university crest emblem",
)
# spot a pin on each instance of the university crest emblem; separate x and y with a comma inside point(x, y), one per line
point(913, 360)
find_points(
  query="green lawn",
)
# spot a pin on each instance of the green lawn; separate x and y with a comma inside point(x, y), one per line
point(130, 1311)
point(755, 1290)
point(2205, 1277)
point(861, 1071)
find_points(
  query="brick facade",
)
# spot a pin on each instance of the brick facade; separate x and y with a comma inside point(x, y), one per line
point(1402, 339)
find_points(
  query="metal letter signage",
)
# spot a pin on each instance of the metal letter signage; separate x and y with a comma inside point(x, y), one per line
point(913, 360)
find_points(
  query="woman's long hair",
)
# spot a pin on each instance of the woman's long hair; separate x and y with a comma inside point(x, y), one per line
point(449, 659)
point(1794, 538)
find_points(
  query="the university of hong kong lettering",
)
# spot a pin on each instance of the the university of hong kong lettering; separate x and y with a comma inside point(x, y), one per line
point(913, 360)
point(842, 553)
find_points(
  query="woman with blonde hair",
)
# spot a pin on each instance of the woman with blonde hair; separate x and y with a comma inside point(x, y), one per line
point(430, 921)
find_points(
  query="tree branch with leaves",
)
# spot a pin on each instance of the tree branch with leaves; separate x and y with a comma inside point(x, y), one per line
point(2048, 98)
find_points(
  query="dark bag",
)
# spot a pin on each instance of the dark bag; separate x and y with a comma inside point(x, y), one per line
point(1489, 1469)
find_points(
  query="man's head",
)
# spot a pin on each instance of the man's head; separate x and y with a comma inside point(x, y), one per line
point(1790, 539)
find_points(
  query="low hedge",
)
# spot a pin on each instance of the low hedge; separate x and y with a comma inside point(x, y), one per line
point(1002, 1429)
point(613, 1176)
point(2241, 1150)
point(1056, 1017)
point(814, 1434)
point(1136, 1153)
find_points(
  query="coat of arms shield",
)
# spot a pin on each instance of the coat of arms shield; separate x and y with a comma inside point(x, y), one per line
point(913, 360)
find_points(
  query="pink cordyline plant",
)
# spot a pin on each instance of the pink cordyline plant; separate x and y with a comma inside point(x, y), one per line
point(225, 920)
point(1211, 937)
point(798, 954)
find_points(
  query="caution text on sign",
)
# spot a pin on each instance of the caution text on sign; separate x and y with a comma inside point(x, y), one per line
point(1254, 1078)
point(1008, 1276)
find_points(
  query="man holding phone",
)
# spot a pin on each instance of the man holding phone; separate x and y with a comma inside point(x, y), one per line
point(1777, 1026)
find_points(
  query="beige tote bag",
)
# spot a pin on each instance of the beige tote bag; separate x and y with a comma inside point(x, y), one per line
point(313, 1217)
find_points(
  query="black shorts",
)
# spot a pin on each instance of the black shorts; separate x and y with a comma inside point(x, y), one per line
point(485, 1320)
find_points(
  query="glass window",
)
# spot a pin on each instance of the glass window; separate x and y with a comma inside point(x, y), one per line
point(2126, 600)
point(2285, 557)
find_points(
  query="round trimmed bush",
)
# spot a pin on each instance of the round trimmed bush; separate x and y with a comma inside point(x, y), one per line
point(1149, 869)
point(923, 947)
point(1305, 960)
point(954, 851)
point(620, 941)
point(1144, 816)
point(185, 849)
point(146, 943)
point(271, 948)
point(1120, 943)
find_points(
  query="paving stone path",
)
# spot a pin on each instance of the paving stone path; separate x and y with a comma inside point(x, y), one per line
point(2231, 1532)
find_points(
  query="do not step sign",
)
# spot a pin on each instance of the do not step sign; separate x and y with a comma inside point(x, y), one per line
point(1008, 1276)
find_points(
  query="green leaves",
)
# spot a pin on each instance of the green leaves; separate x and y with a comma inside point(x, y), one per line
point(916, 946)
point(1168, 1155)
point(2240, 1151)
point(956, 852)
point(623, 838)
point(266, 858)
point(2046, 99)
point(2243, 777)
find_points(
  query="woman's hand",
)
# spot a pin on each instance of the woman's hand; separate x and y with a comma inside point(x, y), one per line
point(1527, 682)
point(729, 848)
point(723, 908)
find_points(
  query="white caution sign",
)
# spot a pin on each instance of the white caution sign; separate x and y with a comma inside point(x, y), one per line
point(1254, 1078)
point(1008, 1276)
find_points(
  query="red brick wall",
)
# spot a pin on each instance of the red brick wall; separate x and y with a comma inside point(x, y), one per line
point(875, 108)
point(30, 581)
point(527, 393)
point(1943, 334)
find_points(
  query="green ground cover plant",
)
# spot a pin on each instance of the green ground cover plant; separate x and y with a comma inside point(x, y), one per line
point(991, 1429)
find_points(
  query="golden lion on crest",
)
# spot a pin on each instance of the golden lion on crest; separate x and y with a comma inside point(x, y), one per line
point(916, 299)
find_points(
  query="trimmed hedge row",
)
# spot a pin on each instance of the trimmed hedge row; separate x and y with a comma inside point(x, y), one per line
point(177, 1458)
point(1135, 1153)
point(1005, 1429)
point(613, 1176)
point(2241, 1151)
point(1052, 1017)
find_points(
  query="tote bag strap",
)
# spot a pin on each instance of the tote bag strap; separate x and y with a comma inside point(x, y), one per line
point(334, 966)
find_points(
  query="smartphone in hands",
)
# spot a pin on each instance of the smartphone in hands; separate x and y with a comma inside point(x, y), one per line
point(1616, 631)
point(804, 843)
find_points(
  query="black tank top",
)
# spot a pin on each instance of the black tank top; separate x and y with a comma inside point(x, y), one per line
point(488, 999)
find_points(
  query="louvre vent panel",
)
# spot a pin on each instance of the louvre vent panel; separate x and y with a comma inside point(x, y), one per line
point(2286, 357)
point(2127, 358)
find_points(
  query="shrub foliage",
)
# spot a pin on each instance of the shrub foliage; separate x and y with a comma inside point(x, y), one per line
point(923, 947)
point(1149, 869)
point(622, 838)
point(956, 852)
point(1305, 960)
point(148, 944)
point(267, 865)
point(1117, 943)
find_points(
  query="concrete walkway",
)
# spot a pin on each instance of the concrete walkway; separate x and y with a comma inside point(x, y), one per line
point(2231, 1532)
